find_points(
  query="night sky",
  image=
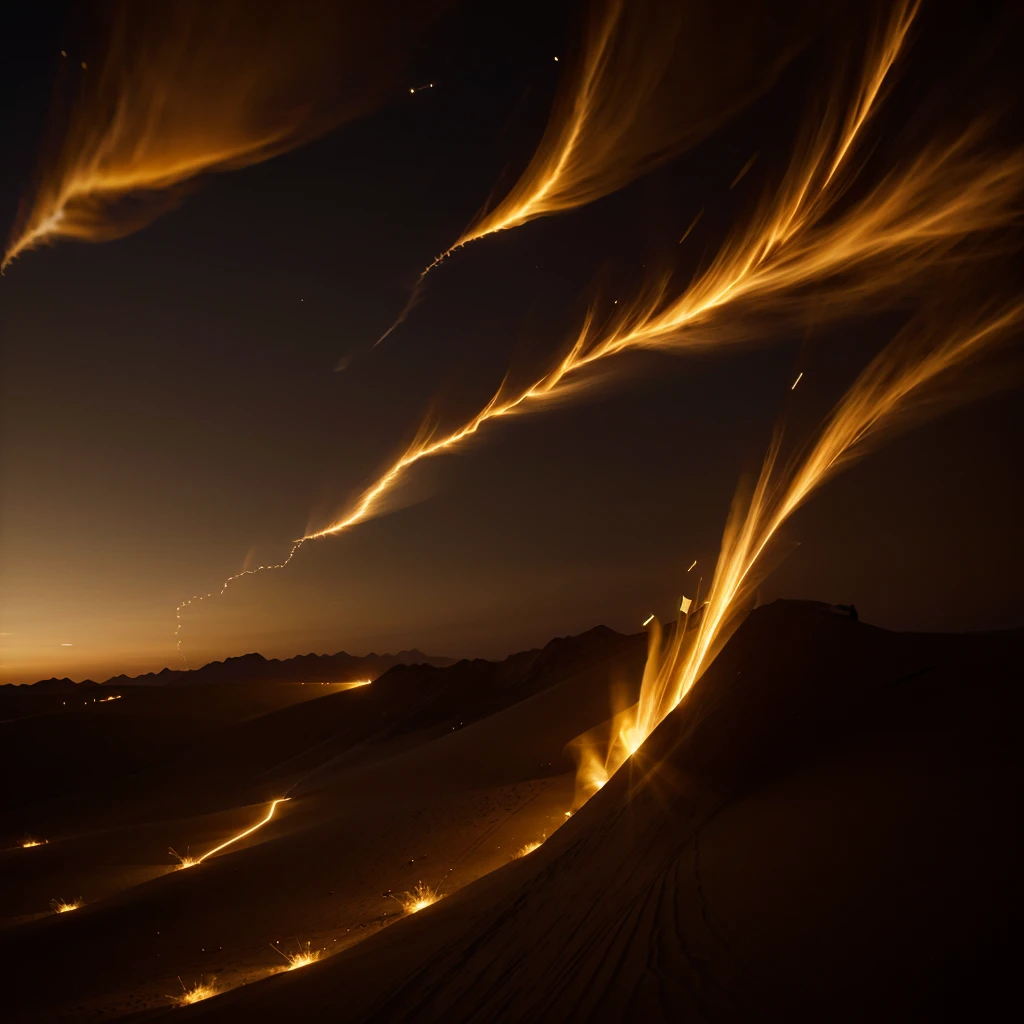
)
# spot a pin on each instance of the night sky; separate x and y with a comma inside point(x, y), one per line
point(171, 413)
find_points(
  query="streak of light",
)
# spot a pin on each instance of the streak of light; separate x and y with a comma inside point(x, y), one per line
point(196, 598)
point(624, 110)
point(303, 957)
point(67, 645)
point(881, 244)
point(59, 906)
point(797, 381)
point(693, 224)
point(648, 620)
point(186, 89)
point(692, 565)
point(743, 171)
point(420, 897)
point(29, 843)
point(190, 862)
point(913, 375)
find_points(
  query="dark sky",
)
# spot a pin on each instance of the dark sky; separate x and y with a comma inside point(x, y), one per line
point(170, 411)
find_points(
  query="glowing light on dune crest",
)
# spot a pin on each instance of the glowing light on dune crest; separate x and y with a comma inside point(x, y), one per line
point(528, 848)
point(59, 906)
point(881, 243)
point(191, 862)
point(420, 897)
point(193, 993)
point(906, 379)
point(188, 88)
point(306, 955)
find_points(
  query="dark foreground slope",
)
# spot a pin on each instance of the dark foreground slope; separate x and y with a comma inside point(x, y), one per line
point(428, 774)
point(824, 830)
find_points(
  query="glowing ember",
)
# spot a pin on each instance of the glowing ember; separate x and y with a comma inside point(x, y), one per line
point(191, 862)
point(29, 843)
point(63, 906)
point(421, 896)
point(194, 993)
point(305, 955)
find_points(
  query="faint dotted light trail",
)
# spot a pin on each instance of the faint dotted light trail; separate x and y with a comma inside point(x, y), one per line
point(915, 374)
point(189, 862)
point(196, 598)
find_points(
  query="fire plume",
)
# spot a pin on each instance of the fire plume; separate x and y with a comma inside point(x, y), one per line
point(188, 88)
point(189, 862)
point(878, 246)
point(909, 378)
point(193, 993)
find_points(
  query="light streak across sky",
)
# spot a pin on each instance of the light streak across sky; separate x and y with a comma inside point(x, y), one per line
point(187, 88)
point(641, 92)
point(879, 244)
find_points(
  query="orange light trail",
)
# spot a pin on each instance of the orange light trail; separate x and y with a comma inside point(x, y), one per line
point(906, 224)
point(186, 89)
point(196, 598)
point(303, 958)
point(189, 862)
point(623, 110)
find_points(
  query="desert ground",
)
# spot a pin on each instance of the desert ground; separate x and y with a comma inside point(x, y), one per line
point(824, 829)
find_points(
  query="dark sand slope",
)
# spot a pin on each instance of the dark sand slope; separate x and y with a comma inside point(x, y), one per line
point(826, 830)
point(432, 774)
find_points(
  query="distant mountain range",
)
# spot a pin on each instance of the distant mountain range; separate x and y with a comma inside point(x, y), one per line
point(307, 668)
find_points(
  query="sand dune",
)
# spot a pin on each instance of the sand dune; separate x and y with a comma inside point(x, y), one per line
point(387, 788)
point(823, 832)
